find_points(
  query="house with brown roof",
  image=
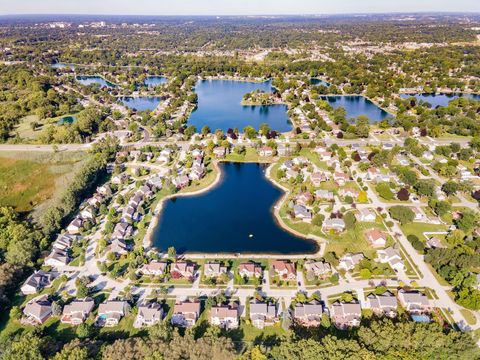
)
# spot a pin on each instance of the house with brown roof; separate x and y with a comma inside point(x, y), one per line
point(182, 270)
point(38, 310)
point(265, 151)
point(225, 316)
point(213, 269)
point(219, 152)
point(376, 238)
point(317, 269)
point(340, 178)
point(185, 314)
point(77, 311)
point(249, 269)
point(154, 268)
point(284, 269)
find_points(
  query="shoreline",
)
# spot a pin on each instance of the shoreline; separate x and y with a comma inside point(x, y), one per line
point(147, 239)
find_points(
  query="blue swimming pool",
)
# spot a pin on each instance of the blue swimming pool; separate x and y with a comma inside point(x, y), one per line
point(421, 318)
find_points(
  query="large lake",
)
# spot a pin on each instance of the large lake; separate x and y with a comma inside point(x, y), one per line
point(356, 106)
point(223, 219)
point(88, 80)
point(140, 103)
point(219, 107)
point(440, 99)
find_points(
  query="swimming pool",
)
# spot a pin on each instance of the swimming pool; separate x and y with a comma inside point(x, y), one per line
point(421, 318)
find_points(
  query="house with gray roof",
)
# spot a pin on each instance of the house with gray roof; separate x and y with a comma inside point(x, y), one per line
point(77, 311)
point(308, 314)
point(384, 304)
point(36, 282)
point(414, 301)
point(346, 314)
point(38, 310)
point(111, 312)
point(263, 313)
point(148, 314)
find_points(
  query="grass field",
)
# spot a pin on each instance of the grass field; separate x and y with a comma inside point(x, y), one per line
point(29, 179)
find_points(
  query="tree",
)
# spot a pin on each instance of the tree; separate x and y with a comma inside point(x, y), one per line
point(350, 220)
point(162, 330)
point(365, 274)
point(84, 331)
point(402, 214)
point(384, 191)
point(318, 220)
point(403, 194)
point(172, 253)
point(467, 221)
point(425, 187)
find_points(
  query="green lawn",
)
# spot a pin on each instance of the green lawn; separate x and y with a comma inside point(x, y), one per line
point(417, 228)
point(469, 316)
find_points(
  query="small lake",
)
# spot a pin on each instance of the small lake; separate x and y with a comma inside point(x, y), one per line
point(439, 99)
point(66, 120)
point(219, 107)
point(140, 103)
point(223, 219)
point(88, 80)
point(356, 106)
point(318, 82)
point(153, 81)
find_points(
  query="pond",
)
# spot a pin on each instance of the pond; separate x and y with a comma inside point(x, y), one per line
point(440, 99)
point(317, 82)
point(153, 81)
point(219, 107)
point(235, 217)
point(66, 120)
point(141, 103)
point(357, 105)
point(88, 80)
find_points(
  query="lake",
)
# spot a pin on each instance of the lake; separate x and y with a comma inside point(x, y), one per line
point(356, 106)
point(440, 99)
point(153, 81)
point(223, 219)
point(88, 80)
point(219, 107)
point(317, 82)
point(66, 120)
point(141, 103)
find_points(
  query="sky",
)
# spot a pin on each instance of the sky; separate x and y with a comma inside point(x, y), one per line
point(232, 7)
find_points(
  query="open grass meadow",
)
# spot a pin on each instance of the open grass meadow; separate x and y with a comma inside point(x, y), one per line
point(29, 180)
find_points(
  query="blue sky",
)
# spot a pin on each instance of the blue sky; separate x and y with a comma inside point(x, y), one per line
point(231, 7)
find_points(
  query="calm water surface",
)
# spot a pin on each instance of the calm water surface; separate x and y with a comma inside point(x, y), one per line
point(317, 82)
point(219, 107)
point(153, 81)
point(141, 103)
point(356, 106)
point(88, 80)
point(223, 219)
point(440, 99)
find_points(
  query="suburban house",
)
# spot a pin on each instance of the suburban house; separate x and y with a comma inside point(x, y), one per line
point(304, 199)
point(122, 231)
point(376, 238)
point(75, 226)
point(197, 172)
point(353, 193)
point(181, 181)
point(435, 242)
point(340, 178)
point(225, 316)
point(317, 269)
point(57, 258)
point(308, 314)
point(38, 310)
point(119, 247)
point(155, 182)
point(284, 269)
point(419, 214)
point(265, 151)
point(154, 268)
point(349, 261)
point(219, 152)
point(414, 301)
point(262, 314)
point(182, 269)
point(249, 269)
point(318, 177)
point(283, 150)
point(77, 311)
point(346, 314)
point(302, 213)
point(392, 257)
point(372, 173)
point(366, 215)
point(385, 304)
point(324, 195)
point(36, 282)
point(325, 155)
point(64, 241)
point(337, 225)
point(111, 312)
point(148, 314)
point(185, 314)
point(214, 269)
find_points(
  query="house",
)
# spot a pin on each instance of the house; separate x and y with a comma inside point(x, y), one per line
point(77, 311)
point(300, 160)
point(36, 282)
point(197, 172)
point(385, 304)
point(225, 316)
point(249, 269)
point(154, 268)
point(57, 258)
point(414, 301)
point(119, 247)
point(283, 150)
point(387, 146)
point(219, 152)
point(64, 241)
point(95, 201)
point(427, 155)
point(319, 269)
point(318, 177)
point(111, 312)
point(135, 200)
point(265, 151)
point(145, 191)
point(419, 214)
point(372, 173)
point(284, 269)
point(304, 199)
point(120, 179)
point(104, 190)
point(324, 195)
point(214, 269)
point(349, 261)
point(122, 231)
point(337, 225)
point(302, 213)
point(340, 178)
point(366, 215)
point(392, 257)
point(435, 242)
point(291, 174)
point(353, 193)
point(182, 269)
point(185, 314)
point(88, 214)
point(263, 314)
point(325, 155)
point(155, 182)
point(346, 314)
point(376, 238)
point(308, 314)
point(38, 310)
point(75, 226)
point(181, 181)
point(148, 314)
